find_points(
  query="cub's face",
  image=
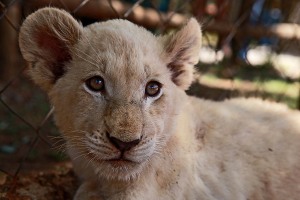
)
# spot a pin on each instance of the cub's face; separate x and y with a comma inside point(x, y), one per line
point(117, 100)
point(115, 87)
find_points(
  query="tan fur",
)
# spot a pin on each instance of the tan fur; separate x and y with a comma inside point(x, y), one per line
point(189, 148)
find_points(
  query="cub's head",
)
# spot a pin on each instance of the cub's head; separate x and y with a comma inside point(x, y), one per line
point(116, 88)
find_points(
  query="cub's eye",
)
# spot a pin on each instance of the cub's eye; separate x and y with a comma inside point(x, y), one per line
point(153, 88)
point(96, 83)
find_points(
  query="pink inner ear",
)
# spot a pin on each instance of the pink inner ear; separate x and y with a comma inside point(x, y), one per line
point(55, 52)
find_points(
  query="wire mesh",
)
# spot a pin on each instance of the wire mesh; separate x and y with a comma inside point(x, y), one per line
point(25, 126)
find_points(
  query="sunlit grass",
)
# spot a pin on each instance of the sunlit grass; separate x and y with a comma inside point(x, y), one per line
point(272, 89)
point(281, 87)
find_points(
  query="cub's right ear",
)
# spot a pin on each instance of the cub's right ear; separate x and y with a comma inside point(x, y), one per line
point(46, 39)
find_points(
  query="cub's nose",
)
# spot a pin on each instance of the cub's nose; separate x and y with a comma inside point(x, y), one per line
point(122, 146)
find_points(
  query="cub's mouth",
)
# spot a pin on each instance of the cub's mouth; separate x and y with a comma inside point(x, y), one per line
point(116, 163)
point(121, 159)
point(113, 162)
point(106, 149)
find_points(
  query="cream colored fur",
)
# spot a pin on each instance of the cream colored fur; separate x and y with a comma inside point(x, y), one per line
point(189, 149)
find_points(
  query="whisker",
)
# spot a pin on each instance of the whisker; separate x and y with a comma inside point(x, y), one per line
point(94, 64)
point(55, 137)
point(79, 156)
point(87, 55)
point(78, 131)
point(98, 58)
point(90, 44)
point(91, 159)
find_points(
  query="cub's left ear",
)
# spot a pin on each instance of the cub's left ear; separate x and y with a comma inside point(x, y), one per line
point(182, 51)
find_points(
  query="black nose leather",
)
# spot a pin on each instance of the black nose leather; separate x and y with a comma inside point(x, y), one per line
point(123, 146)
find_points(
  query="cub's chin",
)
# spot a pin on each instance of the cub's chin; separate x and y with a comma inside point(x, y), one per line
point(122, 170)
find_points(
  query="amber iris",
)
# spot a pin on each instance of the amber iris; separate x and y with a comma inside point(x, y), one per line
point(153, 88)
point(95, 83)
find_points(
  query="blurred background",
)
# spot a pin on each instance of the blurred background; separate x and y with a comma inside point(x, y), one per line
point(250, 49)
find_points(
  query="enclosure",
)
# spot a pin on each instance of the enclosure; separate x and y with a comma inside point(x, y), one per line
point(250, 49)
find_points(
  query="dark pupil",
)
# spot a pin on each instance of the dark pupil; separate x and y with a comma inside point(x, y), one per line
point(152, 89)
point(96, 83)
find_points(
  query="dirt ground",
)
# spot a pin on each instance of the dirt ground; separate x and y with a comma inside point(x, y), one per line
point(58, 183)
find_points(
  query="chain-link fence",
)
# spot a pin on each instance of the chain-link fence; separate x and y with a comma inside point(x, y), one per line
point(251, 48)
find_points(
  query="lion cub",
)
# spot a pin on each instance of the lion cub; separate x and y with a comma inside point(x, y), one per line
point(133, 133)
